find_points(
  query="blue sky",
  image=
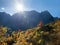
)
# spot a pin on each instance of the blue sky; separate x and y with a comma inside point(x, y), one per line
point(53, 6)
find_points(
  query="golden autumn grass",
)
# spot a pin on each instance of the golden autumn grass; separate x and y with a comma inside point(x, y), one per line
point(35, 36)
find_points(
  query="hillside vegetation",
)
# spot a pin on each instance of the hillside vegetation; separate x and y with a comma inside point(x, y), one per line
point(41, 35)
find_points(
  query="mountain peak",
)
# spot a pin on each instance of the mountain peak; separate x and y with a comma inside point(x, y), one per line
point(4, 13)
point(29, 19)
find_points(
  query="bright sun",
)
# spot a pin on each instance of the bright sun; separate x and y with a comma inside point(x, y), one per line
point(20, 7)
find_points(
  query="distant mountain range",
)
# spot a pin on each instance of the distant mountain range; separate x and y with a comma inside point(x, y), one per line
point(25, 20)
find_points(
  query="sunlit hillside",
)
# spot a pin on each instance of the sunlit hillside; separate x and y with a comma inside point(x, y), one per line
point(41, 35)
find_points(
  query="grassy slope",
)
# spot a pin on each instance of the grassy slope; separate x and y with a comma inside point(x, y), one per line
point(47, 35)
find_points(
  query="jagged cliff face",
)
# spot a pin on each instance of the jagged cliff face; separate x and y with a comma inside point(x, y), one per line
point(28, 19)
